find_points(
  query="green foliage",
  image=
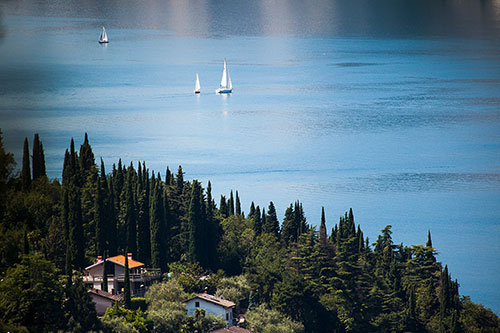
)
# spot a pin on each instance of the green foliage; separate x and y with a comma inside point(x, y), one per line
point(138, 303)
point(236, 243)
point(166, 306)
point(79, 308)
point(266, 320)
point(234, 288)
point(325, 283)
point(118, 319)
point(31, 295)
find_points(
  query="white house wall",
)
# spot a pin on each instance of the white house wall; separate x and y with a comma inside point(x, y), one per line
point(209, 307)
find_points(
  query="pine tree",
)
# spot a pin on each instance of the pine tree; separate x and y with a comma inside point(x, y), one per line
point(25, 173)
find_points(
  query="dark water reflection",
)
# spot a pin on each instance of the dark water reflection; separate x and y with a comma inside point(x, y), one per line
point(222, 18)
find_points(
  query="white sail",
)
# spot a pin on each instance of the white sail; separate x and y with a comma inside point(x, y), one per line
point(197, 84)
point(223, 82)
point(226, 86)
point(104, 36)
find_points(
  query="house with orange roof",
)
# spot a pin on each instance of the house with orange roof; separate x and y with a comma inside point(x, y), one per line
point(140, 276)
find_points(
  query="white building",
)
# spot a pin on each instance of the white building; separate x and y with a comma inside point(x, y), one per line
point(140, 277)
point(211, 304)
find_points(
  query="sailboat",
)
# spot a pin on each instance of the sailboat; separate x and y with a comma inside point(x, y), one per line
point(197, 85)
point(226, 86)
point(103, 38)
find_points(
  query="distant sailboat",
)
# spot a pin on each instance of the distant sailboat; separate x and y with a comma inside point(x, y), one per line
point(226, 86)
point(197, 85)
point(103, 38)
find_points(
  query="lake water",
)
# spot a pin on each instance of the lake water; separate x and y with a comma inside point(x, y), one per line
point(389, 107)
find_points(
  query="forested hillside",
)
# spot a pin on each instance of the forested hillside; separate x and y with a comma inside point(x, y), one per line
point(308, 278)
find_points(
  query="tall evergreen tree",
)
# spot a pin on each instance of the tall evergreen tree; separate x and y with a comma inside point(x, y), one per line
point(238, 204)
point(322, 228)
point(104, 273)
point(257, 222)
point(156, 225)
point(26, 173)
point(126, 281)
point(168, 176)
point(143, 233)
point(223, 206)
point(429, 240)
point(100, 219)
point(180, 181)
point(231, 204)
point(197, 244)
point(271, 223)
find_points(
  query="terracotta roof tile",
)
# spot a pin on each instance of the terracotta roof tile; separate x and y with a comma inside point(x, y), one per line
point(121, 260)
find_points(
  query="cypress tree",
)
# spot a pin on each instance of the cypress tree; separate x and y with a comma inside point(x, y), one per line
point(87, 160)
point(180, 181)
point(263, 219)
point(231, 204)
point(271, 223)
point(100, 232)
point(104, 274)
point(168, 175)
point(322, 228)
point(288, 230)
point(252, 210)
point(223, 207)
point(257, 222)
point(238, 204)
point(143, 236)
point(429, 240)
point(36, 157)
point(156, 219)
point(38, 163)
point(197, 243)
point(25, 173)
point(126, 281)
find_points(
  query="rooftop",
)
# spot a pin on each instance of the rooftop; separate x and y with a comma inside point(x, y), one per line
point(120, 260)
point(105, 294)
point(214, 299)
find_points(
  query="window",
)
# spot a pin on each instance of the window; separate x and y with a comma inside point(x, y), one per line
point(197, 304)
point(227, 316)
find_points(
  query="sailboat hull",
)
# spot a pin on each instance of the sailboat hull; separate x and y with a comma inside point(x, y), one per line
point(103, 42)
point(196, 91)
point(224, 91)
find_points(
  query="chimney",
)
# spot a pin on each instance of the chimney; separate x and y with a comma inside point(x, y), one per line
point(129, 255)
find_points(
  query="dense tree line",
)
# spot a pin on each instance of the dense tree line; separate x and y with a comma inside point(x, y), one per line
point(320, 281)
